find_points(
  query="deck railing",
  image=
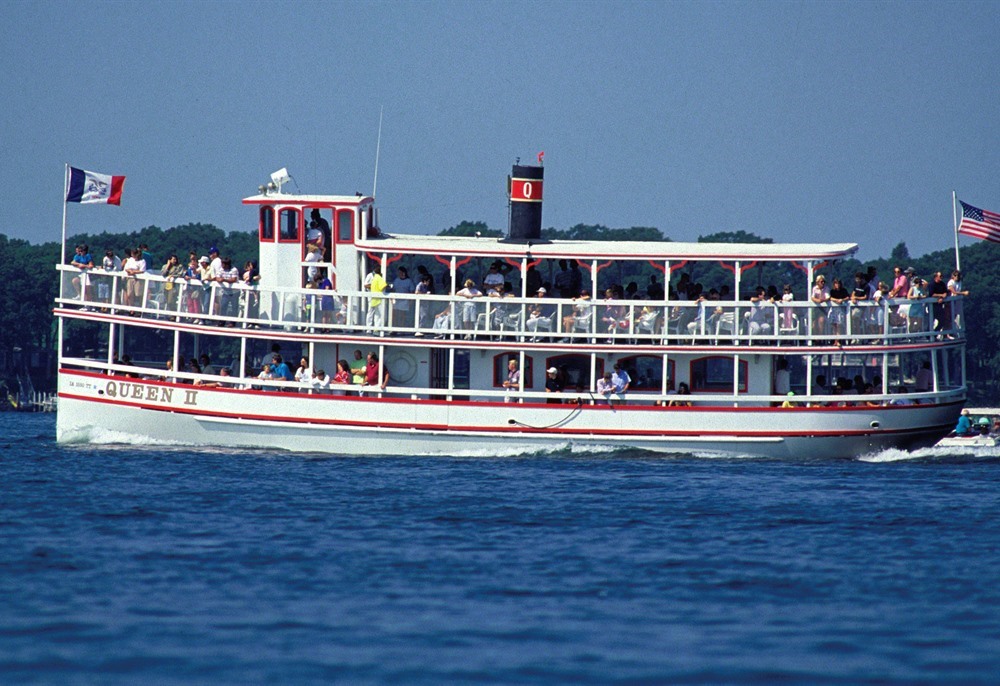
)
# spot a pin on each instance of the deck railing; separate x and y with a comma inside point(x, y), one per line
point(583, 397)
point(528, 320)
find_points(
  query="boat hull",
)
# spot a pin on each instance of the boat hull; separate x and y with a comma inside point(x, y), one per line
point(98, 408)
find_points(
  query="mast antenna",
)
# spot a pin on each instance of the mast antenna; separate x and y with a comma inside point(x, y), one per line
point(378, 147)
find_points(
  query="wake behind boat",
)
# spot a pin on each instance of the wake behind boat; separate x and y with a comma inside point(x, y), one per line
point(418, 344)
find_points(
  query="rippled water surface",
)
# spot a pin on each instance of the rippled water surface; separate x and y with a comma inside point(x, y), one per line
point(151, 564)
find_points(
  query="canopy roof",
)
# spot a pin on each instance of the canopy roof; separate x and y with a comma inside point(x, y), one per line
point(617, 250)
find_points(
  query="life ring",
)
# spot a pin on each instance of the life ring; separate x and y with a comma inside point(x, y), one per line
point(402, 366)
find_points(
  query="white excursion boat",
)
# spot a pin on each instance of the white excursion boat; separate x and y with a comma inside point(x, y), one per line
point(439, 375)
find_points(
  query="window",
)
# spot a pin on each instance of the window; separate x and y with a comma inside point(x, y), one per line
point(345, 226)
point(715, 375)
point(266, 224)
point(439, 369)
point(646, 372)
point(574, 371)
point(289, 226)
point(500, 369)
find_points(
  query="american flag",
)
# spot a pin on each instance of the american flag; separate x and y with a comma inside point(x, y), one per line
point(980, 223)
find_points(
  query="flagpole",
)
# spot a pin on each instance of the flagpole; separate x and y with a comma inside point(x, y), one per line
point(62, 260)
point(954, 217)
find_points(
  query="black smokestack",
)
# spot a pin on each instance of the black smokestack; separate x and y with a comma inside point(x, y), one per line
point(525, 192)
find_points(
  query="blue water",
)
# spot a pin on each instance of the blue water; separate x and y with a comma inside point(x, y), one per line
point(144, 564)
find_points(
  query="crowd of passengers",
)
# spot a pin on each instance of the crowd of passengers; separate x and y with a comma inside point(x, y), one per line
point(839, 307)
point(199, 274)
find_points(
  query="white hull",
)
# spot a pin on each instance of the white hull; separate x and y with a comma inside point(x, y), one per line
point(94, 407)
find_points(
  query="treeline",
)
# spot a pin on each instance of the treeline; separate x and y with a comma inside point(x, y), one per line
point(29, 283)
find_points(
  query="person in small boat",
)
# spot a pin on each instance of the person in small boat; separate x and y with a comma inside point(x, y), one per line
point(964, 426)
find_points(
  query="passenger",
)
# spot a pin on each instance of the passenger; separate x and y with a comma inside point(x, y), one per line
point(839, 296)
point(513, 380)
point(317, 221)
point(942, 313)
point(172, 271)
point(342, 378)
point(605, 386)
point(205, 363)
point(266, 373)
point(421, 273)
point(955, 289)
point(900, 283)
point(493, 278)
point(250, 278)
point(761, 312)
point(134, 267)
point(915, 310)
point(424, 287)
point(552, 385)
point(620, 379)
point(860, 298)
point(533, 280)
point(358, 368)
point(614, 314)
point(206, 277)
point(83, 261)
point(371, 373)
point(229, 296)
point(539, 311)
point(787, 311)
point(469, 312)
point(280, 369)
point(580, 314)
point(820, 298)
point(375, 283)
point(442, 320)
point(682, 390)
point(320, 383)
point(563, 282)
point(402, 309)
point(654, 291)
point(788, 400)
point(303, 374)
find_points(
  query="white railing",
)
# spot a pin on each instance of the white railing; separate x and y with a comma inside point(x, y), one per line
point(523, 319)
point(136, 372)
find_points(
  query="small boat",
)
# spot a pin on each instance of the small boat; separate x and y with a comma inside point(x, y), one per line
point(520, 343)
point(984, 434)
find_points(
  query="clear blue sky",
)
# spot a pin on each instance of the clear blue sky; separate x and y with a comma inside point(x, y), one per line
point(798, 121)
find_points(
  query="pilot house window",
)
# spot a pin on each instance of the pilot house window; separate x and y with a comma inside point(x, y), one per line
point(289, 225)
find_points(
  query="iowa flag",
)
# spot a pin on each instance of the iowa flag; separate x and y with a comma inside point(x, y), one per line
point(91, 187)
